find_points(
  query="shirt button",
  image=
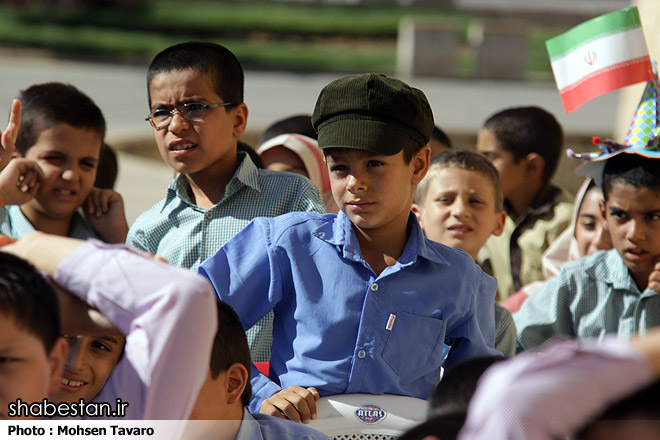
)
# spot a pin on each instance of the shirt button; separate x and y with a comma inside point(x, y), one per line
point(208, 215)
point(362, 354)
point(374, 287)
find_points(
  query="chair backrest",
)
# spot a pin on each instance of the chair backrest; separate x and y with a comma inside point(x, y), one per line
point(368, 416)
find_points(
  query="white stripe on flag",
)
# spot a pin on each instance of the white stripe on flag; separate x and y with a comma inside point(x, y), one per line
point(597, 55)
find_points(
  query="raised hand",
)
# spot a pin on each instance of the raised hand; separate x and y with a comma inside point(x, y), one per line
point(104, 210)
point(8, 137)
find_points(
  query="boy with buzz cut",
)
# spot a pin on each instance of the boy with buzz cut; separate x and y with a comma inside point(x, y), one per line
point(363, 302)
point(459, 204)
point(608, 292)
point(51, 177)
point(524, 144)
point(32, 353)
point(197, 113)
point(222, 402)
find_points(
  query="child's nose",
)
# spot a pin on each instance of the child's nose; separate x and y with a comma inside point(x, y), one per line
point(69, 174)
point(75, 359)
point(355, 183)
point(635, 232)
point(602, 240)
point(178, 122)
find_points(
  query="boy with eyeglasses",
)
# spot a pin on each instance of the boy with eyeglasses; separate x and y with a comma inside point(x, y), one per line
point(197, 114)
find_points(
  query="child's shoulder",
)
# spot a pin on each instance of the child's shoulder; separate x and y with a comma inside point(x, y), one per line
point(592, 266)
point(452, 256)
point(300, 224)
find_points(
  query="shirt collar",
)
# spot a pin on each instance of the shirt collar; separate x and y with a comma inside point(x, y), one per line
point(615, 272)
point(339, 231)
point(246, 174)
point(542, 203)
point(249, 429)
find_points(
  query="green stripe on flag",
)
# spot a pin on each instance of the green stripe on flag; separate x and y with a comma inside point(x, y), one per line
point(599, 27)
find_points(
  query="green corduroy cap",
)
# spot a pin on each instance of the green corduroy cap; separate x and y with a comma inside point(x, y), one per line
point(372, 112)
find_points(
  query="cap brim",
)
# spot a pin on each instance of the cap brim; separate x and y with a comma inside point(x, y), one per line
point(364, 134)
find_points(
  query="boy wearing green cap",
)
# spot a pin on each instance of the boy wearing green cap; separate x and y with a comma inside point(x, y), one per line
point(363, 302)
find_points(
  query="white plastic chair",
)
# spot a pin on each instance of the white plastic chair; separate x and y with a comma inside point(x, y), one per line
point(368, 416)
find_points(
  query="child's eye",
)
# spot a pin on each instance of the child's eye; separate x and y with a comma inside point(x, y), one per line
point(618, 214)
point(88, 164)
point(161, 113)
point(374, 163)
point(53, 159)
point(653, 216)
point(100, 346)
point(337, 168)
point(6, 360)
point(476, 202)
point(589, 226)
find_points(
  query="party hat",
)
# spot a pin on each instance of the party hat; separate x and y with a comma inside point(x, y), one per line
point(643, 137)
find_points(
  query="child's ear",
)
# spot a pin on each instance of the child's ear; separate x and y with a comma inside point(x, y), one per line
point(237, 378)
point(535, 165)
point(418, 213)
point(500, 220)
point(56, 360)
point(240, 113)
point(421, 162)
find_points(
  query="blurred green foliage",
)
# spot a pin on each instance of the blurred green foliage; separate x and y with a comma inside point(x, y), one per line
point(269, 35)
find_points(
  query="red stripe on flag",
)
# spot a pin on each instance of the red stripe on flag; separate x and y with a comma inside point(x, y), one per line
point(605, 80)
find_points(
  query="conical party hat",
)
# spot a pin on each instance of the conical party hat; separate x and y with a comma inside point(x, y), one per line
point(643, 135)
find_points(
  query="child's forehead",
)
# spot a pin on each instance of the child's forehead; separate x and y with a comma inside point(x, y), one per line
point(627, 194)
point(461, 178)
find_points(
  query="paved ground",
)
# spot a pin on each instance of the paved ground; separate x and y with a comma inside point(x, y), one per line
point(459, 106)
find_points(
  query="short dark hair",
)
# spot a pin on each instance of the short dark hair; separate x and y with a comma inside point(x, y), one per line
point(458, 384)
point(230, 346)
point(525, 130)
point(203, 57)
point(632, 169)
point(256, 159)
point(642, 405)
point(298, 124)
point(28, 299)
point(441, 136)
point(462, 160)
point(107, 168)
point(49, 104)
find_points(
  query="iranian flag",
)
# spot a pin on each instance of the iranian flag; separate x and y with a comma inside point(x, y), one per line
point(598, 56)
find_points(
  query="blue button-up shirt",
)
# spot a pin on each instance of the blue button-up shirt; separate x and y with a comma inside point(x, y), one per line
point(263, 427)
point(340, 327)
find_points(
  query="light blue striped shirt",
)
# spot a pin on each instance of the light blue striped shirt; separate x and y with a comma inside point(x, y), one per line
point(13, 223)
point(185, 235)
point(591, 297)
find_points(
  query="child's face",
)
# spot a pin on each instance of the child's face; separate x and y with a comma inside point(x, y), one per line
point(191, 147)
point(375, 191)
point(88, 366)
point(459, 210)
point(590, 231)
point(26, 370)
point(68, 157)
point(512, 173)
point(282, 159)
point(633, 219)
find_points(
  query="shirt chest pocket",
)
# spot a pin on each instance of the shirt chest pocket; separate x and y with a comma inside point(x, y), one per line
point(415, 346)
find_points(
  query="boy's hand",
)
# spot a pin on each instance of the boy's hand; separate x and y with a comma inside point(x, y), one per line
point(654, 278)
point(104, 210)
point(8, 138)
point(292, 403)
point(19, 182)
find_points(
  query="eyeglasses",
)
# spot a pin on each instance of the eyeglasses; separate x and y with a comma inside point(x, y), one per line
point(192, 111)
